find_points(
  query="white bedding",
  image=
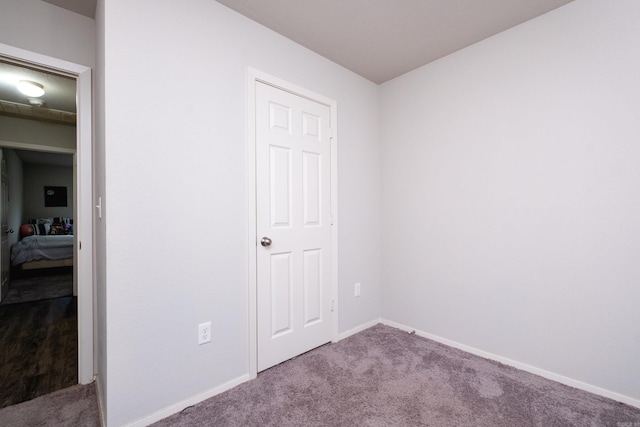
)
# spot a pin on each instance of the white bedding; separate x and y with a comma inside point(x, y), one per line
point(37, 248)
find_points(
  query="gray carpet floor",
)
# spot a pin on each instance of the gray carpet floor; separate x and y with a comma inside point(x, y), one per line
point(387, 377)
point(76, 406)
point(379, 377)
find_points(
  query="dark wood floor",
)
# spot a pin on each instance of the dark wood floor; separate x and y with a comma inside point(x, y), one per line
point(38, 349)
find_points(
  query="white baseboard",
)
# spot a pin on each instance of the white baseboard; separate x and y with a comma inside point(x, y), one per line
point(177, 407)
point(519, 365)
point(357, 329)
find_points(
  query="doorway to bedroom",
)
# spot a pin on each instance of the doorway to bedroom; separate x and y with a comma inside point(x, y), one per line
point(39, 328)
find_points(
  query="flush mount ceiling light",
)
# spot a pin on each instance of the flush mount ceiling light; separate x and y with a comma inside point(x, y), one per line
point(30, 88)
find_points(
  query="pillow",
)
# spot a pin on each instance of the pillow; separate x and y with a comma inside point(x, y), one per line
point(26, 230)
point(58, 229)
point(41, 221)
point(61, 229)
point(62, 220)
point(34, 229)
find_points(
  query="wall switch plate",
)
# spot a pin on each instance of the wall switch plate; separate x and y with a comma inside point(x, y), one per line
point(204, 333)
point(357, 290)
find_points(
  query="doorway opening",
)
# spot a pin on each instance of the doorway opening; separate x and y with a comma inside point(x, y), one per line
point(46, 147)
point(38, 313)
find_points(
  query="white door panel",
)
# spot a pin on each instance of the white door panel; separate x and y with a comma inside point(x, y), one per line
point(293, 209)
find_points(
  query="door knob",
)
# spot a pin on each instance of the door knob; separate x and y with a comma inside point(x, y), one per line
point(265, 241)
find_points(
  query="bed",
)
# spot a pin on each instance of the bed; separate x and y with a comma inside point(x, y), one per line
point(43, 245)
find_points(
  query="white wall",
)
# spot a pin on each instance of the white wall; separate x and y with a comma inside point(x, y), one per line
point(36, 177)
point(511, 197)
point(43, 28)
point(14, 129)
point(176, 194)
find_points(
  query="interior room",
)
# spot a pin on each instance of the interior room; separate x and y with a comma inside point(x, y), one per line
point(485, 198)
point(38, 331)
point(39, 326)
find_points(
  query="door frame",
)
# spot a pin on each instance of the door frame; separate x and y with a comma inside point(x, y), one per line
point(254, 76)
point(83, 224)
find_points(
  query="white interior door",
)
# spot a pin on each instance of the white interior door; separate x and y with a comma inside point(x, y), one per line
point(293, 224)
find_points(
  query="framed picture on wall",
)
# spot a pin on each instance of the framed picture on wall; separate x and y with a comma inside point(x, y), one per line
point(55, 196)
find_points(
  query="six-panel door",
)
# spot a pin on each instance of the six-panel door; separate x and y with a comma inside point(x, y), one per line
point(293, 210)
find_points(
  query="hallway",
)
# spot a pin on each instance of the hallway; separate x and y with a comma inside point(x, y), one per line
point(38, 348)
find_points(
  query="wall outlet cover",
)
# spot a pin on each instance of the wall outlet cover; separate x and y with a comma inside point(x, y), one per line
point(204, 333)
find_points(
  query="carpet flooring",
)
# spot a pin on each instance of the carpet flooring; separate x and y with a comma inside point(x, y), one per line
point(386, 377)
point(379, 377)
point(76, 406)
point(38, 288)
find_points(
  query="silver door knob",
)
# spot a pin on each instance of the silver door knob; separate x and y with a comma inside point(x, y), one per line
point(265, 241)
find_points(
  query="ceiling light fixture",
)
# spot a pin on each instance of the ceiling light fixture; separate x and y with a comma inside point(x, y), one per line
point(36, 102)
point(30, 88)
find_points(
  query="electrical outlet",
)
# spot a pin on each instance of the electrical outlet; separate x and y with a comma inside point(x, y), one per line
point(204, 333)
point(357, 290)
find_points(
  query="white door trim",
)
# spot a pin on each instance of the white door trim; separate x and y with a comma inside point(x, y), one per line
point(258, 76)
point(83, 225)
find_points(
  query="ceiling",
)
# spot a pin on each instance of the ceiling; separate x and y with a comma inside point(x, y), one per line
point(83, 7)
point(42, 158)
point(59, 98)
point(59, 105)
point(379, 39)
point(382, 39)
